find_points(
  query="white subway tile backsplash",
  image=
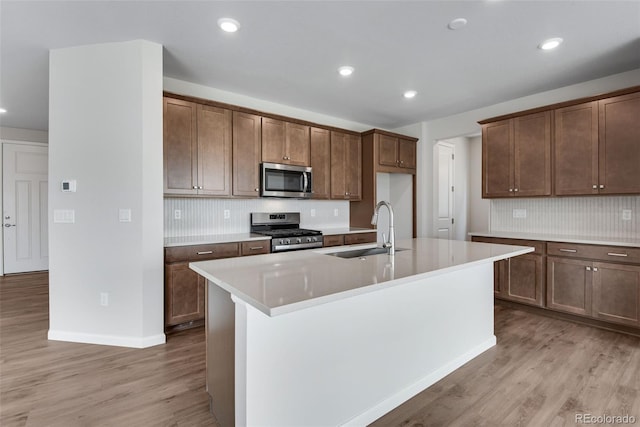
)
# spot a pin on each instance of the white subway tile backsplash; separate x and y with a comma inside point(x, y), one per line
point(207, 216)
point(598, 216)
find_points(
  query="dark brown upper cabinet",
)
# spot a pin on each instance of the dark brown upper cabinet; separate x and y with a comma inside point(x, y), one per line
point(197, 149)
point(285, 142)
point(395, 154)
point(320, 153)
point(346, 166)
point(247, 152)
point(516, 156)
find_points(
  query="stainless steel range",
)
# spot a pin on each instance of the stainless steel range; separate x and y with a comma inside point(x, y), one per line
point(284, 229)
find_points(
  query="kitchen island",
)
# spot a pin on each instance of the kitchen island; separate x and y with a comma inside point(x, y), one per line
point(311, 338)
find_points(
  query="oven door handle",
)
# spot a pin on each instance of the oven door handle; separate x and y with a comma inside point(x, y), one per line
point(305, 181)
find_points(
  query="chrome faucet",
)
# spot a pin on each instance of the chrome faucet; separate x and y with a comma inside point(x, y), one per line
point(392, 234)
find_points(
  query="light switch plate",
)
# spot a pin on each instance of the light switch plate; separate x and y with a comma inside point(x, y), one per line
point(64, 216)
point(124, 215)
point(626, 214)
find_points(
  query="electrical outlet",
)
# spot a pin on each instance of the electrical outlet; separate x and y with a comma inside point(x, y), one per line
point(104, 299)
point(626, 214)
point(177, 214)
point(227, 214)
point(335, 212)
point(519, 213)
point(313, 213)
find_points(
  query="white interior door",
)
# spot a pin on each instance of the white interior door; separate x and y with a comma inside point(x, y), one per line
point(444, 190)
point(24, 205)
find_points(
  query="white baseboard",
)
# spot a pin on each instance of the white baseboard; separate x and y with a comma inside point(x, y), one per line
point(113, 340)
point(399, 398)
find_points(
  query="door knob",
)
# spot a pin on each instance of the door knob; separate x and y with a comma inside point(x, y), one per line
point(9, 225)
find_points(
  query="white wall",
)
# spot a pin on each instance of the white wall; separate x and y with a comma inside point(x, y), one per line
point(105, 131)
point(467, 124)
point(478, 208)
point(27, 135)
point(397, 189)
point(191, 89)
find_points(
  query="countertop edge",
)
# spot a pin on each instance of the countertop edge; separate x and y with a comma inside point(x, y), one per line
point(631, 243)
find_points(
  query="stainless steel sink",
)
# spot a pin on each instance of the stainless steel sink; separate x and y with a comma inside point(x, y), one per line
point(359, 253)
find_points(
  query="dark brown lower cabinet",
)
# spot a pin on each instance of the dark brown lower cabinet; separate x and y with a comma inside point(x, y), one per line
point(521, 279)
point(616, 293)
point(184, 294)
point(569, 285)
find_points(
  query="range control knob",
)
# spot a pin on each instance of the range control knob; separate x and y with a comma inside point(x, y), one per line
point(298, 240)
point(287, 241)
point(310, 239)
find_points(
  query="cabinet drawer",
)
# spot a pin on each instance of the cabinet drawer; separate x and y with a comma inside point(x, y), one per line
point(596, 252)
point(334, 240)
point(255, 247)
point(356, 238)
point(201, 252)
point(538, 245)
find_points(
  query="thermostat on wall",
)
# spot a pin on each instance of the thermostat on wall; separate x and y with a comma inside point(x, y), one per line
point(69, 186)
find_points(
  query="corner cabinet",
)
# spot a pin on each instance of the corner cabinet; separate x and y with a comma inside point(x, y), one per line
point(247, 154)
point(516, 157)
point(197, 149)
point(346, 166)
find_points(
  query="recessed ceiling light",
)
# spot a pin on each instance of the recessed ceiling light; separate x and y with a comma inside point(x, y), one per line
point(2, 110)
point(550, 43)
point(410, 94)
point(457, 23)
point(345, 70)
point(229, 25)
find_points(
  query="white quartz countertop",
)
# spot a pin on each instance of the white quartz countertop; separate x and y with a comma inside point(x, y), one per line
point(212, 238)
point(345, 230)
point(284, 282)
point(609, 241)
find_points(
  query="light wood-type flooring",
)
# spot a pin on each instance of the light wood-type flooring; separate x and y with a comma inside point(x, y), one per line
point(543, 372)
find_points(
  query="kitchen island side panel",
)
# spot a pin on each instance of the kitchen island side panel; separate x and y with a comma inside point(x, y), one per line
point(351, 361)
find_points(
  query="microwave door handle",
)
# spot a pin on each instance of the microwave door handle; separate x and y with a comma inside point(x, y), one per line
point(305, 181)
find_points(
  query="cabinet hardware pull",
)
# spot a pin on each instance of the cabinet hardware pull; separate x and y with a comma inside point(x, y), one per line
point(595, 187)
point(255, 189)
point(616, 254)
point(511, 190)
point(255, 248)
point(595, 268)
point(601, 185)
point(573, 251)
point(205, 252)
point(515, 189)
point(195, 187)
point(588, 268)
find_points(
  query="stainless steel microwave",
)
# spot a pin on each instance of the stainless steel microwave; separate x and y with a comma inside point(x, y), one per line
point(278, 180)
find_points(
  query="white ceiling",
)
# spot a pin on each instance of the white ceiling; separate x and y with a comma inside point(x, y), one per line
point(288, 52)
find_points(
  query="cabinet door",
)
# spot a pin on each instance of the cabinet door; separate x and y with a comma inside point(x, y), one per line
point(184, 294)
point(569, 285)
point(354, 167)
point(297, 144)
point(180, 147)
point(616, 293)
point(497, 159)
point(576, 149)
point(338, 165)
point(524, 280)
point(246, 154)
point(619, 144)
point(532, 155)
point(273, 141)
point(407, 153)
point(387, 150)
point(320, 152)
point(214, 151)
